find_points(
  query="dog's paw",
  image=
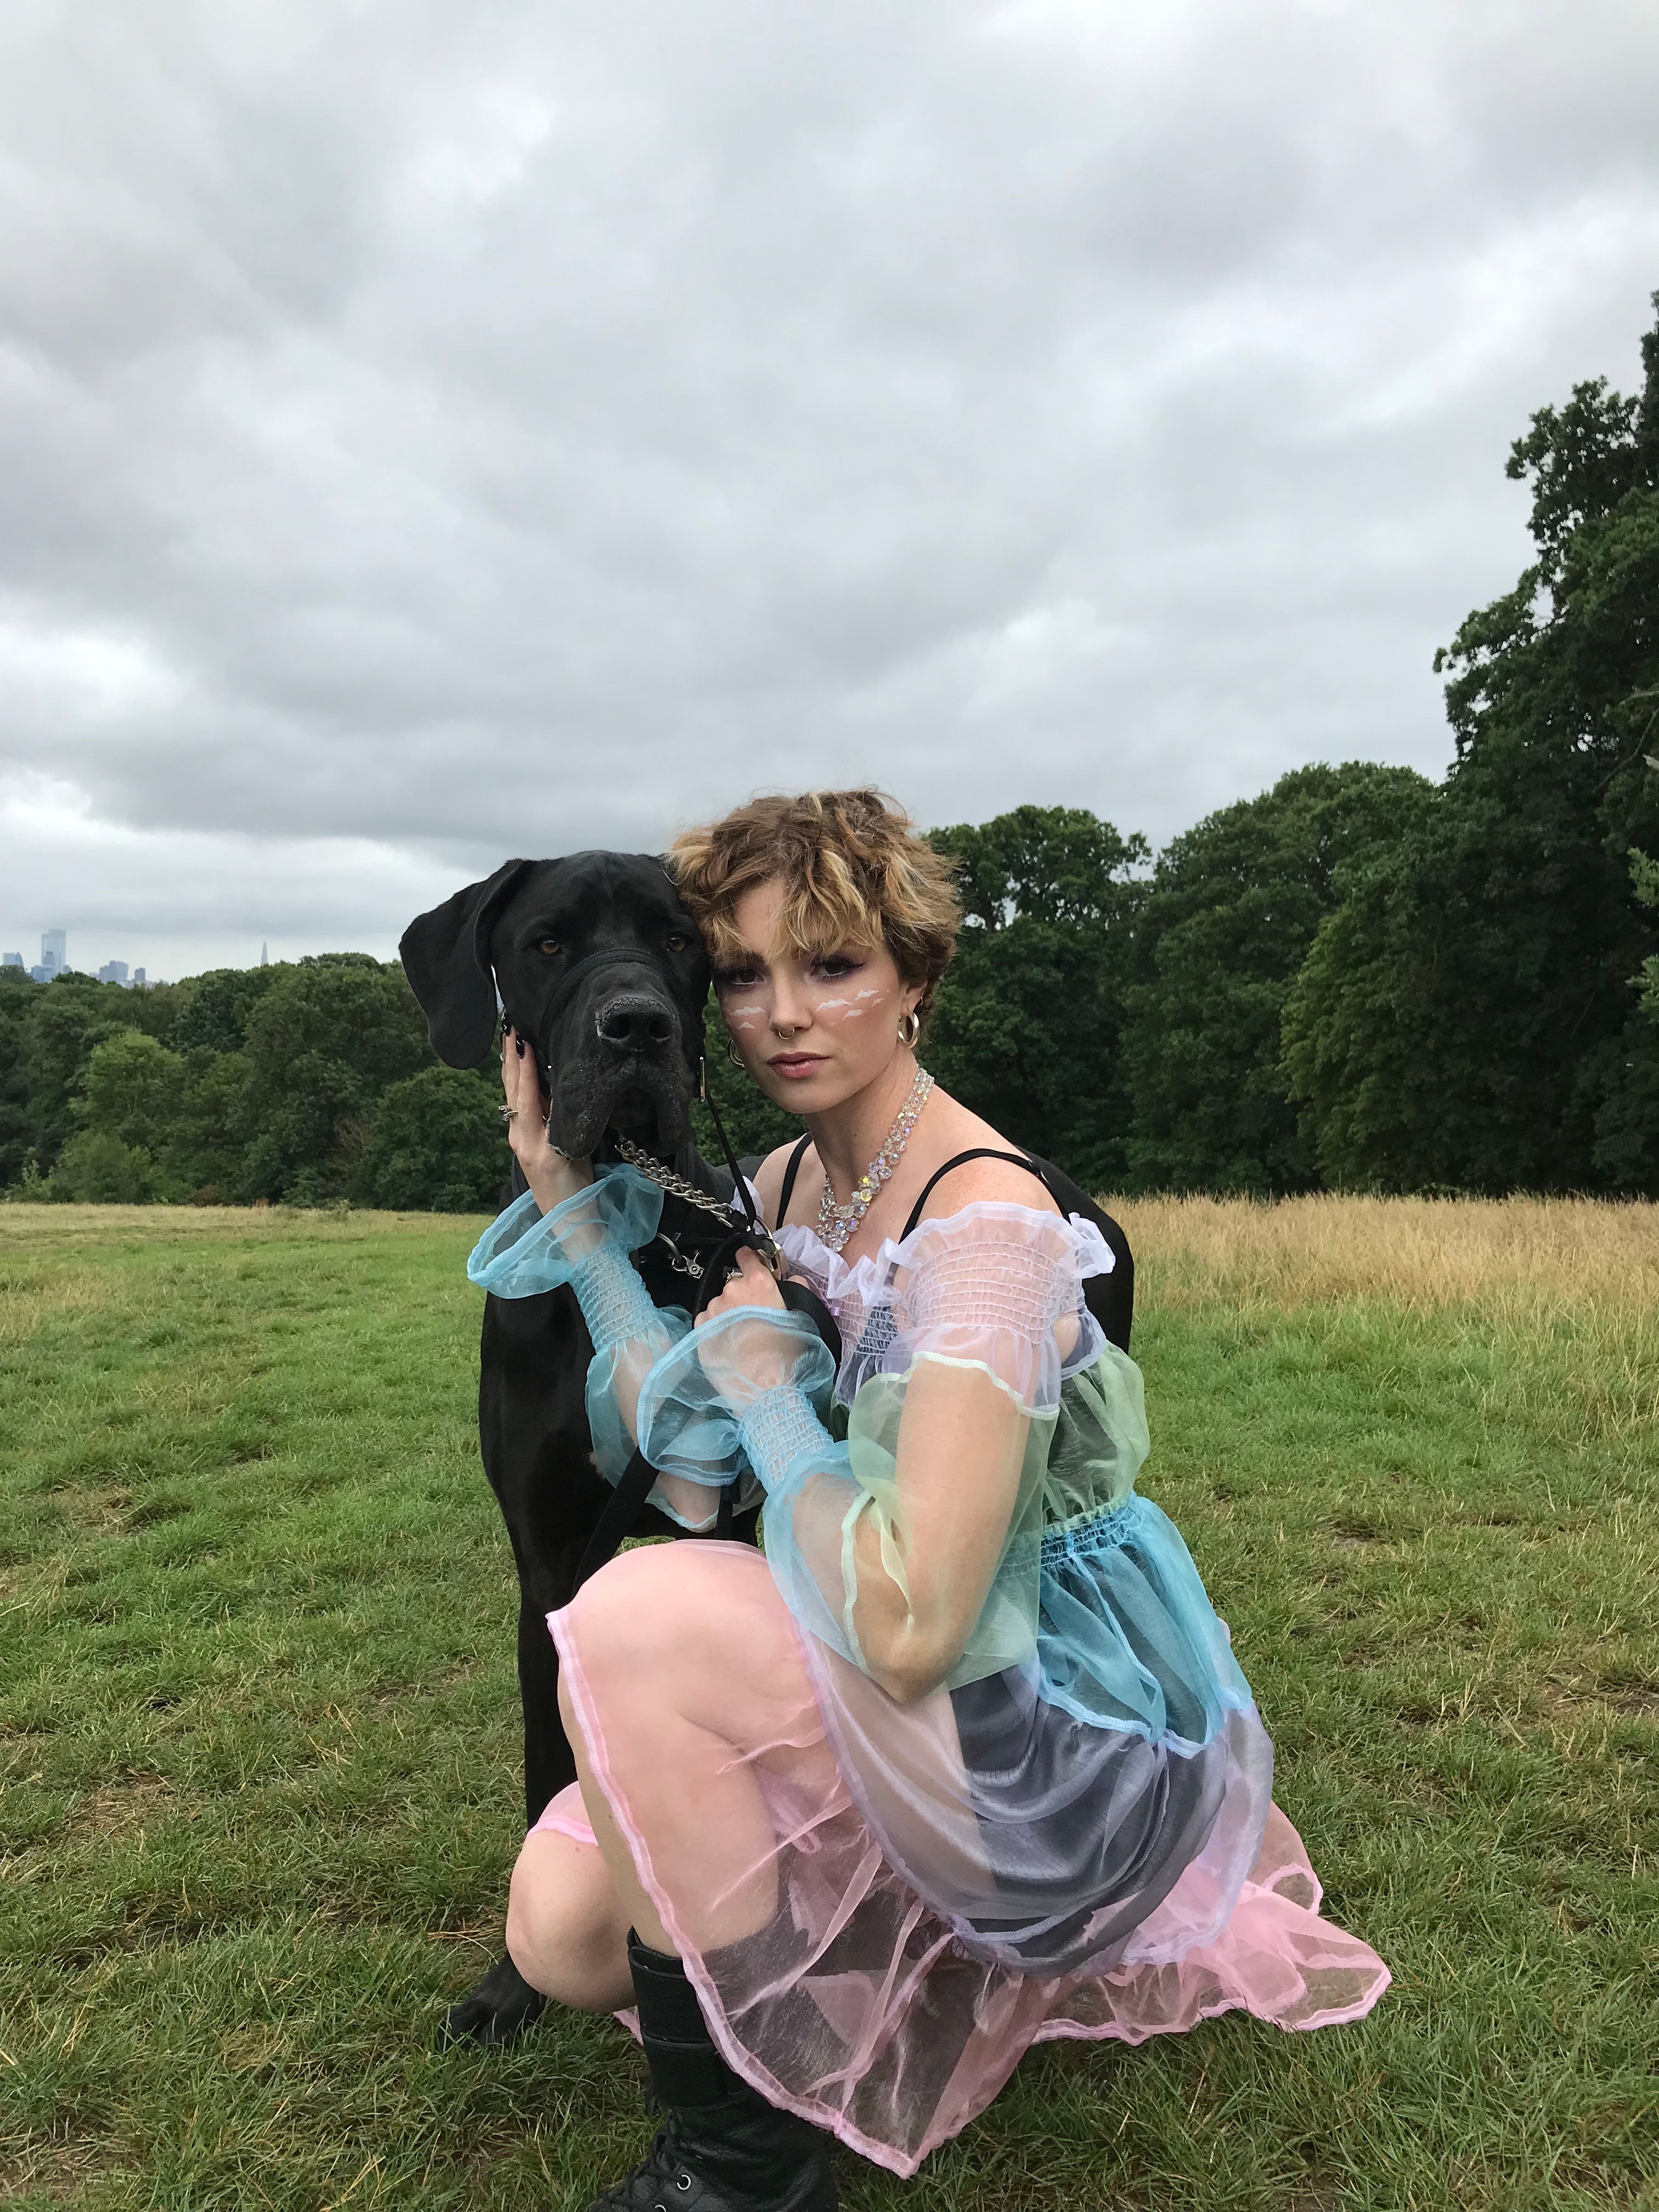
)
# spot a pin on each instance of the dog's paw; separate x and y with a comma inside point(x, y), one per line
point(495, 2009)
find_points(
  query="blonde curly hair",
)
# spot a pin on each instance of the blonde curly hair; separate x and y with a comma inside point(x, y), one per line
point(853, 869)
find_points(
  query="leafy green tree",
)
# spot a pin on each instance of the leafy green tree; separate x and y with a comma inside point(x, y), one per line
point(435, 1143)
point(178, 1117)
point(326, 1037)
point(64, 1022)
point(131, 1086)
point(215, 1007)
point(96, 1168)
point(1645, 874)
point(1227, 923)
point(1027, 1026)
point(208, 1148)
point(1467, 1018)
point(17, 993)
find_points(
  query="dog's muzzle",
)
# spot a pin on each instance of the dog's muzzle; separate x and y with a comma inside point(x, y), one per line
point(636, 1022)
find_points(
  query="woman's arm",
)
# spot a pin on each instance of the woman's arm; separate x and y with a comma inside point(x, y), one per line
point(961, 1446)
point(887, 1546)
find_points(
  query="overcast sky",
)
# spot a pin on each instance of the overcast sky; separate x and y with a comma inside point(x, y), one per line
point(432, 433)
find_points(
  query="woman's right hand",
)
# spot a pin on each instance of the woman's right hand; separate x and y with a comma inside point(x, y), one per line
point(552, 1177)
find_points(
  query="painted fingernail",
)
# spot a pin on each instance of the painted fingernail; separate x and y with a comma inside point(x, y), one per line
point(518, 1046)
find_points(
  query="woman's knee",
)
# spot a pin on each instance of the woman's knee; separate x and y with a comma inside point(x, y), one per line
point(677, 1602)
point(565, 1927)
point(651, 1601)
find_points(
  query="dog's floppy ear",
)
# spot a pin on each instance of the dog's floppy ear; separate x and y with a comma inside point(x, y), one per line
point(445, 957)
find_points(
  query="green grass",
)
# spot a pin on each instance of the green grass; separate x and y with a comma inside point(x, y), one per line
point(258, 1744)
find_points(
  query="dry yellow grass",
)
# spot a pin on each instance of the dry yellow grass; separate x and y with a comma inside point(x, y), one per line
point(1516, 1259)
point(1555, 1301)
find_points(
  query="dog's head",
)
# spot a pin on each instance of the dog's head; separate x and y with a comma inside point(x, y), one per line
point(600, 969)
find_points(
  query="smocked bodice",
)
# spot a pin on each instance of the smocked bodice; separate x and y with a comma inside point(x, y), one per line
point(998, 1285)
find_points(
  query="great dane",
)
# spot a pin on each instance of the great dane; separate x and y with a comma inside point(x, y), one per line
point(600, 969)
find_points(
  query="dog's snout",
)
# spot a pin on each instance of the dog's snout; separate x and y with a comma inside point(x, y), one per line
point(635, 1021)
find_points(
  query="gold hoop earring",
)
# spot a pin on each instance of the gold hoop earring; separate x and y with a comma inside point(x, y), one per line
point(909, 1027)
point(733, 1054)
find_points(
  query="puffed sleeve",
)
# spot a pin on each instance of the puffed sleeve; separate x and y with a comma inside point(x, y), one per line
point(911, 1548)
point(584, 1241)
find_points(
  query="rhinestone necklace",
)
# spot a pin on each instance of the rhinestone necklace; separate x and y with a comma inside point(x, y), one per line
point(837, 1223)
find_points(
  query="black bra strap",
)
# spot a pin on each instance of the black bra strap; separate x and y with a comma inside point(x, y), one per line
point(978, 1152)
point(791, 1169)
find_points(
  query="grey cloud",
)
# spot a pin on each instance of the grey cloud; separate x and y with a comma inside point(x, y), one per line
point(459, 431)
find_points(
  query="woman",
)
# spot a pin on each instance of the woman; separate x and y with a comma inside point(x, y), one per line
point(964, 1761)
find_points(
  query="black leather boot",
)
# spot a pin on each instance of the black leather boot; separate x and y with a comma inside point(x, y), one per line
point(724, 2149)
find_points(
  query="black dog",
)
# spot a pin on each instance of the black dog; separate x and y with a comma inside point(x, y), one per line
point(601, 970)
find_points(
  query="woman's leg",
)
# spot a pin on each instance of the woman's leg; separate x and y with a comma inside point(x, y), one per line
point(566, 1930)
point(689, 1676)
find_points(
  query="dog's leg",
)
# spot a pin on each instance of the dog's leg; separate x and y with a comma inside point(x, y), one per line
point(550, 1766)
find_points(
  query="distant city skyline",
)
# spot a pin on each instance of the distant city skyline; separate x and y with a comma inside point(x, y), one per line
point(55, 960)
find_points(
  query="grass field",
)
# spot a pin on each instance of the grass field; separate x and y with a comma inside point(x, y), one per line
point(258, 1723)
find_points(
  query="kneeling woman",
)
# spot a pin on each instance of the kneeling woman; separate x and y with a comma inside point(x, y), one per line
point(964, 1761)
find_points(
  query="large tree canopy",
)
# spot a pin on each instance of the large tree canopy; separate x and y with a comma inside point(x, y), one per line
point(1468, 1016)
point(1028, 1026)
point(1230, 915)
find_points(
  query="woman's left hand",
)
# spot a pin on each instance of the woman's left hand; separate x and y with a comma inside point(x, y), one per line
point(744, 1363)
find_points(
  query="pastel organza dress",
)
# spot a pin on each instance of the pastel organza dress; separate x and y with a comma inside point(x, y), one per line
point(1072, 1835)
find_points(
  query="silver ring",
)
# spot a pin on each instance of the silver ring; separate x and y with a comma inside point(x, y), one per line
point(506, 1113)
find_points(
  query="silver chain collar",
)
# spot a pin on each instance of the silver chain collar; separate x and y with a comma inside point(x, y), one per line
point(678, 1186)
point(675, 1185)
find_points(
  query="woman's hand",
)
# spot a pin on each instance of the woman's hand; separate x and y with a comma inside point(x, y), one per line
point(743, 1364)
point(552, 1177)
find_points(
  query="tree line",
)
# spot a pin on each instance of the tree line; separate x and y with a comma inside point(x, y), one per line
point(1361, 978)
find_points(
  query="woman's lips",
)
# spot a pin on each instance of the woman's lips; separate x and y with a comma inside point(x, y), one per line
point(796, 1063)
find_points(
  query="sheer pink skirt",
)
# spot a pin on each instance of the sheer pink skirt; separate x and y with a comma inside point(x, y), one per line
point(827, 1982)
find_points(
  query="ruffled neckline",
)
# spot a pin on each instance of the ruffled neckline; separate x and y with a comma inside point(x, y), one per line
point(868, 1279)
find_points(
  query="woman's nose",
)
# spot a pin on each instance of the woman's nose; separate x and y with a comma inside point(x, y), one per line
point(790, 1007)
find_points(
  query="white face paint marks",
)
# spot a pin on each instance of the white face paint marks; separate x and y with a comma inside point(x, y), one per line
point(811, 1031)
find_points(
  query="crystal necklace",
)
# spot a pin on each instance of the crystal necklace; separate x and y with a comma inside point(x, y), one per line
point(837, 1223)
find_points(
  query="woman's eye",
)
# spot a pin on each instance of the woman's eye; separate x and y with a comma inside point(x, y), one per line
point(737, 979)
point(835, 967)
point(679, 942)
point(550, 945)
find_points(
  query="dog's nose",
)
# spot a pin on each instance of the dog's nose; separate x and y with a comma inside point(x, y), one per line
point(635, 1021)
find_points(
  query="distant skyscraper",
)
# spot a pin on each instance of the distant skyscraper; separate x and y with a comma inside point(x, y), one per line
point(112, 971)
point(265, 955)
point(11, 960)
point(137, 979)
point(54, 951)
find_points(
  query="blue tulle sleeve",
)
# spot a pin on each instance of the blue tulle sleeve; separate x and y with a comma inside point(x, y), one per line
point(524, 1251)
point(585, 1242)
point(751, 1389)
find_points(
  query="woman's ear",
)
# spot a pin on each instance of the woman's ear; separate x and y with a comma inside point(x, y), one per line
point(445, 957)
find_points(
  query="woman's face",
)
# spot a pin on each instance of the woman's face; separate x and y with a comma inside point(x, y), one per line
point(812, 1031)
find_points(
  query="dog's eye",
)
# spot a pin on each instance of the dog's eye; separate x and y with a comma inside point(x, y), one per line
point(678, 943)
point(550, 945)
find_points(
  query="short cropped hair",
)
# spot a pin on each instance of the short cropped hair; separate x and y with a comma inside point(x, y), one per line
point(854, 871)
